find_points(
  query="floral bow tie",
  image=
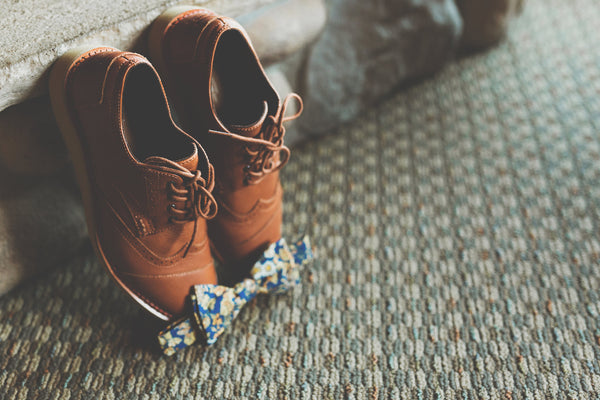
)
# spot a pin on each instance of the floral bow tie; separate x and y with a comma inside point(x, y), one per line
point(215, 306)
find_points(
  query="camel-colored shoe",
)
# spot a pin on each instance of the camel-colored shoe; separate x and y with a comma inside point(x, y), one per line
point(224, 100)
point(146, 185)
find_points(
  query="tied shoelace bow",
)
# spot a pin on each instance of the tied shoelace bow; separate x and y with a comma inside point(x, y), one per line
point(192, 198)
point(215, 306)
point(260, 152)
point(261, 156)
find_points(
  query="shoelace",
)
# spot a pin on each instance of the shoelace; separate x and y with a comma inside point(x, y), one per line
point(261, 151)
point(192, 198)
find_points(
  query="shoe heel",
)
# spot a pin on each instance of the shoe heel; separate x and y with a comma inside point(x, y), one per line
point(64, 120)
point(158, 28)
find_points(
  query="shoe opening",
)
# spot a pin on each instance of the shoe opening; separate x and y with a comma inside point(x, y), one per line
point(147, 126)
point(239, 86)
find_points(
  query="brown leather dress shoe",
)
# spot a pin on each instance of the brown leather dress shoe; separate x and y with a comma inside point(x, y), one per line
point(224, 99)
point(146, 185)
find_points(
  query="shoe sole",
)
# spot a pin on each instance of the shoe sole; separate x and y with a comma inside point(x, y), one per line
point(65, 122)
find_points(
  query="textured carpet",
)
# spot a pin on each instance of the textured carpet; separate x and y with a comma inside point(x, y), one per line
point(456, 228)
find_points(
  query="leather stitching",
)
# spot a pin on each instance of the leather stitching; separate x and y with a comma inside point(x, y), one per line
point(137, 246)
point(260, 205)
point(134, 291)
point(168, 275)
point(229, 243)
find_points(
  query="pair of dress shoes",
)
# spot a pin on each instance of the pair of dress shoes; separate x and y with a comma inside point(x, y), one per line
point(162, 198)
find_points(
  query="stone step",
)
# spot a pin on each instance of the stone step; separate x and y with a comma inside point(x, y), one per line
point(40, 31)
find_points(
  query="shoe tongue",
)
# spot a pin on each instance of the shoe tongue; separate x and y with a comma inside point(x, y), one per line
point(189, 162)
point(252, 129)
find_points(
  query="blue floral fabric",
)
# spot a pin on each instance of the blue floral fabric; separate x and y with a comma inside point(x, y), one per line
point(176, 336)
point(216, 306)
